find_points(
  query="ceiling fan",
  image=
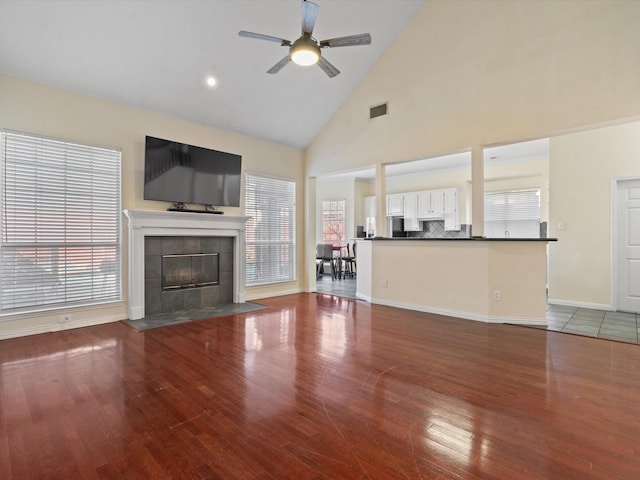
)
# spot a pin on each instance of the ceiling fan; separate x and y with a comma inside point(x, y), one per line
point(306, 49)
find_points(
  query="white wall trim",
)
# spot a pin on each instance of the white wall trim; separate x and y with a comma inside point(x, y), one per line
point(57, 327)
point(613, 236)
point(366, 298)
point(572, 303)
point(465, 315)
point(615, 186)
point(259, 296)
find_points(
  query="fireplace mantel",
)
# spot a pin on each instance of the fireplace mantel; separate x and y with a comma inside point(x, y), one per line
point(146, 223)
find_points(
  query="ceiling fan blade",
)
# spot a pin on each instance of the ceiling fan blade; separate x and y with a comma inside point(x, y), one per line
point(309, 15)
point(261, 36)
point(280, 65)
point(327, 67)
point(351, 40)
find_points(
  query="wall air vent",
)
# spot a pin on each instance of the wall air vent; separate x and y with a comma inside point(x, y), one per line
point(378, 110)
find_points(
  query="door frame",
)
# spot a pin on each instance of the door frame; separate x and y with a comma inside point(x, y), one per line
point(615, 185)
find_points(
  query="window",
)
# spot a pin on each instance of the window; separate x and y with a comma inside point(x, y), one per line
point(271, 231)
point(333, 221)
point(60, 224)
point(514, 214)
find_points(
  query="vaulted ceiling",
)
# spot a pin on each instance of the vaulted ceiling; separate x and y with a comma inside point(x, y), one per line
point(156, 55)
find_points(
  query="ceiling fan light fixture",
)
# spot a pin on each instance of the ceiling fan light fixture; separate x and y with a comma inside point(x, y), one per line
point(304, 52)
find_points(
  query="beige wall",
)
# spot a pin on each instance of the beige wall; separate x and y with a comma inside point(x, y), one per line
point(34, 108)
point(582, 168)
point(486, 72)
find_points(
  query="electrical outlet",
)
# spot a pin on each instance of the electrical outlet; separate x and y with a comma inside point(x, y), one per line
point(64, 318)
point(497, 295)
point(385, 283)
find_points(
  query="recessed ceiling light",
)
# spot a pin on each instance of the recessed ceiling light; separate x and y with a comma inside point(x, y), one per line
point(211, 81)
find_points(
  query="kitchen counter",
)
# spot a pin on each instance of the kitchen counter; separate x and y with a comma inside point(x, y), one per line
point(463, 239)
point(499, 280)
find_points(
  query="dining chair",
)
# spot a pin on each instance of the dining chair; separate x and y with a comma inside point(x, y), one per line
point(350, 261)
point(324, 255)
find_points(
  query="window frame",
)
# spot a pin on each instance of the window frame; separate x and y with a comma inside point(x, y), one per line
point(507, 218)
point(339, 240)
point(53, 241)
point(286, 243)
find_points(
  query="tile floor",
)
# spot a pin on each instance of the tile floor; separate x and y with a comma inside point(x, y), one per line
point(623, 327)
point(345, 287)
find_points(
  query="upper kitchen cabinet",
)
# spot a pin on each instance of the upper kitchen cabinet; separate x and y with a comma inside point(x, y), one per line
point(451, 216)
point(395, 205)
point(431, 204)
point(411, 223)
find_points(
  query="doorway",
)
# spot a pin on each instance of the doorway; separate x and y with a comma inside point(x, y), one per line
point(627, 244)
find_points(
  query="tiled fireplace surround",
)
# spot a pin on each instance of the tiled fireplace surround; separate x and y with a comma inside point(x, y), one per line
point(154, 233)
point(157, 300)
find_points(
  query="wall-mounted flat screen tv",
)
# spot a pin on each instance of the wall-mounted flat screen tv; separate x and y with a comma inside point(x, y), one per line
point(180, 173)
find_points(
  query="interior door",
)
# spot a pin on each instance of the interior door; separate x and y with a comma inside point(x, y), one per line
point(628, 245)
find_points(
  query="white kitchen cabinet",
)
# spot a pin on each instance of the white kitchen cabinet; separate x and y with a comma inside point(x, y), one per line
point(395, 205)
point(416, 207)
point(431, 204)
point(451, 215)
point(411, 223)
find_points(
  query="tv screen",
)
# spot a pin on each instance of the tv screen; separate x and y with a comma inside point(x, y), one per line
point(179, 173)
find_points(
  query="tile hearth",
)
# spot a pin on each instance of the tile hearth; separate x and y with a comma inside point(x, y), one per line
point(166, 319)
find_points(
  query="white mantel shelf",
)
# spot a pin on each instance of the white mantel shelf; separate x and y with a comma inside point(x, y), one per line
point(155, 223)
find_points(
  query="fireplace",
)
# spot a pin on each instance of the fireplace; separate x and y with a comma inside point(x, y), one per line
point(153, 234)
point(190, 270)
point(186, 273)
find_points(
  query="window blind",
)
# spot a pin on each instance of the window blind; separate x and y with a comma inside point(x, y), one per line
point(514, 214)
point(271, 231)
point(60, 224)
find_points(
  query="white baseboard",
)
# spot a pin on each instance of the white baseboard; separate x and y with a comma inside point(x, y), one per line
point(360, 296)
point(465, 315)
point(57, 327)
point(537, 322)
point(571, 303)
point(258, 296)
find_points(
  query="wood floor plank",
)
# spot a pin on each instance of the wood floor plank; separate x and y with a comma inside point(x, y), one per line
point(318, 387)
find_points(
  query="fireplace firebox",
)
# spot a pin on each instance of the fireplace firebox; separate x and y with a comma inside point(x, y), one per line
point(184, 273)
point(190, 270)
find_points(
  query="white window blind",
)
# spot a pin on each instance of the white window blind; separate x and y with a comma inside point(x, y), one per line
point(60, 224)
point(512, 214)
point(333, 221)
point(271, 231)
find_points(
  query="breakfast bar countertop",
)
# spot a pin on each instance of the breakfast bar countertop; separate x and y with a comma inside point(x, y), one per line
point(467, 239)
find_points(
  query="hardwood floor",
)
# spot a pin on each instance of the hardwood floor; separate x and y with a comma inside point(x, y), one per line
point(319, 387)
